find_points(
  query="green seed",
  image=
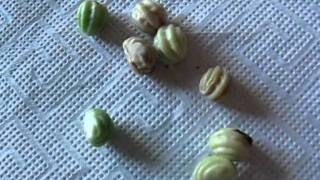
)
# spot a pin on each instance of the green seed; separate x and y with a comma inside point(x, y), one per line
point(214, 168)
point(91, 17)
point(231, 144)
point(171, 43)
point(98, 126)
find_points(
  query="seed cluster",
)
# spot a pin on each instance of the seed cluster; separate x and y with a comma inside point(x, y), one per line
point(169, 46)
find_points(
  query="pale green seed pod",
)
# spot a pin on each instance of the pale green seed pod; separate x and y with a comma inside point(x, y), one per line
point(91, 17)
point(171, 43)
point(140, 55)
point(148, 16)
point(98, 126)
point(214, 83)
point(214, 168)
point(231, 144)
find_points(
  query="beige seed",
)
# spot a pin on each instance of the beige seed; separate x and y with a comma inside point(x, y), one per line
point(148, 16)
point(140, 55)
point(214, 83)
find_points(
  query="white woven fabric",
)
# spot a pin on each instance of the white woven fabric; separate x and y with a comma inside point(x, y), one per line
point(50, 74)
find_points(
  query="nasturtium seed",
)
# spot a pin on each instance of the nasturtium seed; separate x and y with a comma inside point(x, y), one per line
point(91, 17)
point(171, 43)
point(214, 83)
point(214, 168)
point(231, 144)
point(148, 16)
point(98, 126)
point(140, 55)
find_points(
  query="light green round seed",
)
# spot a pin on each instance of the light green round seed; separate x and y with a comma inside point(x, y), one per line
point(214, 168)
point(231, 144)
point(98, 126)
point(171, 43)
point(91, 17)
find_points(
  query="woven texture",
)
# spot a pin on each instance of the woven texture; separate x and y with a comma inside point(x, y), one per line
point(50, 74)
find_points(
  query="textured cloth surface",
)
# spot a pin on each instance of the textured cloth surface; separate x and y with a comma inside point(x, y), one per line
point(50, 74)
